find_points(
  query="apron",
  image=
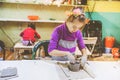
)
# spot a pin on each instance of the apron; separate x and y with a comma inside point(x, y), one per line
point(65, 44)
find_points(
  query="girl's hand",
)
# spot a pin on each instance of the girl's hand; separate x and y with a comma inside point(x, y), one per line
point(71, 57)
point(83, 60)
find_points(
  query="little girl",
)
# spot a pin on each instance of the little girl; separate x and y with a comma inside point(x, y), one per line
point(29, 35)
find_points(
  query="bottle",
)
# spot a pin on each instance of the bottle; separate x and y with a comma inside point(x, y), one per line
point(69, 1)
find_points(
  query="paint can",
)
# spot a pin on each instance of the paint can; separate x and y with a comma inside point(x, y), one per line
point(107, 50)
point(1, 59)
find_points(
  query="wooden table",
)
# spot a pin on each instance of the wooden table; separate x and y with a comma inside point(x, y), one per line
point(19, 46)
point(104, 57)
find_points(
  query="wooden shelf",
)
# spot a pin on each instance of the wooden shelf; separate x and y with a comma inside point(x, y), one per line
point(26, 20)
point(37, 3)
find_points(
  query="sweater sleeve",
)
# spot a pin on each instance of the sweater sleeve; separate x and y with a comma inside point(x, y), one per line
point(37, 35)
point(21, 34)
point(54, 40)
point(80, 41)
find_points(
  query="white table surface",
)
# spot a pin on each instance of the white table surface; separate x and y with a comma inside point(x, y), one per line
point(21, 46)
point(42, 70)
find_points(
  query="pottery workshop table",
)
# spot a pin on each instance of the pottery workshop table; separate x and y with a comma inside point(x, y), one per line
point(18, 47)
point(49, 70)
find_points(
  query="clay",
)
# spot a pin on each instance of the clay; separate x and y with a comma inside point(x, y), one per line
point(74, 66)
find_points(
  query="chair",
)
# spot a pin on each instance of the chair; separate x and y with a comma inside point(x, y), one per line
point(2, 46)
point(90, 43)
point(37, 46)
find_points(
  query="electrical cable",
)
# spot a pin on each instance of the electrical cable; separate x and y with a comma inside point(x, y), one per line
point(90, 13)
point(93, 8)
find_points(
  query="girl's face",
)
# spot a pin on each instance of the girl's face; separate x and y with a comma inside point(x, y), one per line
point(74, 26)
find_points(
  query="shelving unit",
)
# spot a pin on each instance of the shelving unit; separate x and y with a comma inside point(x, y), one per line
point(38, 3)
point(35, 3)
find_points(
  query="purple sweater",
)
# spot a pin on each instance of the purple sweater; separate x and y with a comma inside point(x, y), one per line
point(62, 32)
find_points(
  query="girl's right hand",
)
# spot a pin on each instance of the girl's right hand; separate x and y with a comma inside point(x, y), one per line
point(71, 57)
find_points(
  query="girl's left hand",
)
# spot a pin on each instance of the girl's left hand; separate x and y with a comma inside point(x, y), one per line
point(83, 60)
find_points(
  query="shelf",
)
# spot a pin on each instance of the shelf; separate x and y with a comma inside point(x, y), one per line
point(37, 3)
point(26, 20)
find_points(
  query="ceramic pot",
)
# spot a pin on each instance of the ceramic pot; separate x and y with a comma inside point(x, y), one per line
point(74, 66)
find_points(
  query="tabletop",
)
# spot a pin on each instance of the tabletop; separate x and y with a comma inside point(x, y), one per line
point(20, 45)
point(49, 70)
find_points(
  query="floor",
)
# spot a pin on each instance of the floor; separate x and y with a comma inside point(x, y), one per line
point(9, 55)
point(104, 57)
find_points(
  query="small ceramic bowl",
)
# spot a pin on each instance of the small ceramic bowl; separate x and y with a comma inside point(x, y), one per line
point(33, 17)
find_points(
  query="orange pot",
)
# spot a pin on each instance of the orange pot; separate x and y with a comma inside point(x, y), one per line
point(33, 17)
point(109, 42)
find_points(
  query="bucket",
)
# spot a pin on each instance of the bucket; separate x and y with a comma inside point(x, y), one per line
point(109, 42)
point(107, 50)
